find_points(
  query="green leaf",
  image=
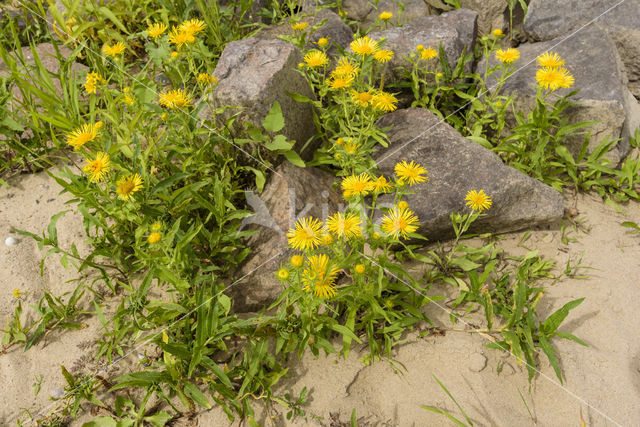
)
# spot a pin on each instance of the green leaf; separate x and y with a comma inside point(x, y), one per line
point(101, 422)
point(194, 393)
point(279, 143)
point(274, 121)
point(113, 18)
point(345, 331)
point(294, 158)
point(551, 324)
point(568, 336)
point(551, 354)
point(159, 419)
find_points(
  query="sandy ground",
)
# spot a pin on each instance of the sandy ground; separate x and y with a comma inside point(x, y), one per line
point(602, 381)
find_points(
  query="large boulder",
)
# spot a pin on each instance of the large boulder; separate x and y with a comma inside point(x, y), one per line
point(364, 12)
point(491, 14)
point(593, 60)
point(253, 74)
point(455, 30)
point(291, 193)
point(455, 166)
point(549, 19)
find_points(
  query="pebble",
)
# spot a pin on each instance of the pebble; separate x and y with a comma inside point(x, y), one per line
point(58, 393)
point(10, 241)
point(477, 362)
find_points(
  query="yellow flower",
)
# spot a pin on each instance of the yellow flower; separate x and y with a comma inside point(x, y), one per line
point(299, 26)
point(341, 82)
point(306, 235)
point(381, 185)
point(554, 78)
point(85, 133)
point(156, 226)
point(323, 41)
point(91, 82)
point(154, 237)
point(383, 56)
point(550, 60)
point(361, 98)
point(376, 235)
point(428, 53)
point(283, 274)
point(297, 260)
point(478, 200)
point(399, 222)
point(359, 268)
point(411, 172)
point(384, 101)
point(207, 78)
point(180, 38)
point(17, 293)
point(364, 46)
point(339, 141)
point(128, 100)
point(403, 205)
point(126, 186)
point(113, 50)
point(345, 68)
point(174, 54)
point(507, 56)
point(419, 47)
point(156, 30)
point(98, 168)
point(192, 27)
point(497, 32)
point(357, 185)
point(385, 16)
point(439, 75)
point(344, 225)
point(351, 147)
point(327, 239)
point(165, 337)
point(316, 58)
point(320, 276)
point(175, 99)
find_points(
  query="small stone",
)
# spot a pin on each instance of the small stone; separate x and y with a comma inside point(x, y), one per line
point(10, 241)
point(477, 362)
point(58, 393)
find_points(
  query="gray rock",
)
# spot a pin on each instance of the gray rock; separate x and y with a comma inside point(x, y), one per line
point(254, 73)
point(593, 60)
point(455, 166)
point(455, 30)
point(549, 19)
point(491, 14)
point(366, 14)
point(291, 193)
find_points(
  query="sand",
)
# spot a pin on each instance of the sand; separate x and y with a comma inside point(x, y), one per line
point(602, 380)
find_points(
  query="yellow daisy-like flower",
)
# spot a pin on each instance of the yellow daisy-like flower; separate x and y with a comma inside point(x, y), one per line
point(207, 79)
point(428, 53)
point(359, 268)
point(345, 225)
point(345, 68)
point(399, 222)
point(322, 41)
point(127, 185)
point(341, 82)
point(128, 100)
point(320, 276)
point(299, 26)
point(507, 56)
point(180, 38)
point(419, 47)
point(497, 32)
point(357, 185)
point(384, 101)
point(306, 235)
point(85, 133)
point(315, 59)
point(383, 56)
point(192, 26)
point(283, 274)
point(410, 172)
point(362, 99)
point(385, 15)
point(114, 50)
point(554, 78)
point(327, 239)
point(403, 205)
point(174, 54)
point(154, 237)
point(381, 185)
point(364, 46)
point(175, 99)
point(98, 168)
point(92, 81)
point(478, 200)
point(550, 60)
point(156, 30)
point(297, 260)
point(17, 293)
point(351, 147)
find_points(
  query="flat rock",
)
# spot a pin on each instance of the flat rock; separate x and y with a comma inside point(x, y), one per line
point(254, 73)
point(455, 30)
point(549, 19)
point(455, 166)
point(592, 58)
point(291, 193)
